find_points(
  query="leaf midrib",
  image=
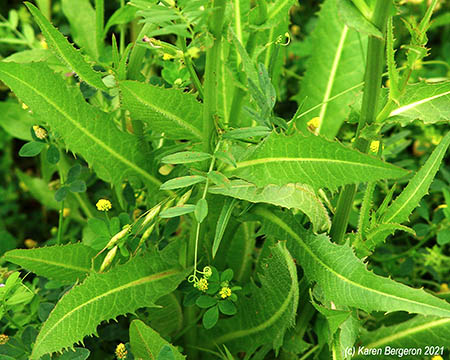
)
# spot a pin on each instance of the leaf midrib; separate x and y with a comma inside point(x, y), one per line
point(88, 134)
point(49, 262)
point(137, 282)
point(269, 216)
point(193, 130)
point(416, 103)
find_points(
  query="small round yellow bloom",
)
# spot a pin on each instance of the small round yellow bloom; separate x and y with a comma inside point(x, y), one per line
point(3, 339)
point(167, 56)
point(437, 357)
point(374, 146)
point(313, 124)
point(121, 351)
point(30, 243)
point(202, 284)
point(444, 287)
point(40, 133)
point(103, 205)
point(225, 292)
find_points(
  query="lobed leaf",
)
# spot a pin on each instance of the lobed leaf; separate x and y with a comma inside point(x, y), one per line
point(65, 51)
point(336, 66)
point(265, 316)
point(309, 160)
point(168, 111)
point(85, 129)
point(67, 263)
point(342, 277)
point(418, 186)
point(146, 343)
point(297, 196)
point(124, 289)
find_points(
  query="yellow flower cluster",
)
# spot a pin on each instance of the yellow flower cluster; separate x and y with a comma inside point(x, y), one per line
point(40, 133)
point(121, 351)
point(3, 339)
point(374, 146)
point(202, 284)
point(225, 292)
point(103, 205)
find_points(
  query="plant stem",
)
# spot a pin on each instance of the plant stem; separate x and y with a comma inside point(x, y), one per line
point(61, 210)
point(122, 32)
point(372, 85)
point(210, 86)
point(100, 20)
point(137, 55)
point(190, 67)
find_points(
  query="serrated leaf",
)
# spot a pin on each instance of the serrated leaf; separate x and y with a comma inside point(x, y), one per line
point(185, 157)
point(380, 232)
point(297, 196)
point(182, 182)
point(335, 67)
point(177, 211)
point(350, 284)
point(310, 160)
point(65, 51)
point(85, 129)
point(425, 102)
point(105, 296)
point(67, 263)
point(146, 343)
point(261, 321)
point(417, 187)
point(168, 111)
point(419, 332)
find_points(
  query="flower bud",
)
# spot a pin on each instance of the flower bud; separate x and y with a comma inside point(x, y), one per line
point(108, 258)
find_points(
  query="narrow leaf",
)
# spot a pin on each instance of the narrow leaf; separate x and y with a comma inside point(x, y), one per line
point(177, 211)
point(146, 343)
point(182, 182)
point(66, 264)
point(297, 196)
point(352, 284)
point(201, 210)
point(417, 187)
point(185, 157)
point(222, 223)
point(310, 160)
point(65, 51)
point(168, 111)
point(122, 290)
point(86, 130)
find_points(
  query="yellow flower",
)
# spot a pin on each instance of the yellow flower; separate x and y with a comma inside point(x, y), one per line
point(121, 351)
point(3, 339)
point(40, 133)
point(374, 146)
point(313, 124)
point(30, 243)
point(225, 292)
point(202, 284)
point(103, 205)
point(167, 56)
point(437, 357)
point(444, 287)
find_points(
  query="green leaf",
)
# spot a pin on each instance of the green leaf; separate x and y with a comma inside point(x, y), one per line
point(136, 284)
point(81, 16)
point(354, 19)
point(74, 173)
point(310, 160)
point(219, 179)
point(201, 210)
point(182, 182)
point(419, 332)
point(394, 76)
point(77, 186)
point(352, 284)
point(166, 353)
point(185, 157)
point(227, 307)
point(418, 186)
point(146, 343)
point(380, 232)
point(177, 211)
point(31, 149)
point(65, 51)
point(335, 67)
point(210, 317)
point(67, 263)
point(205, 301)
point(297, 196)
point(61, 193)
point(53, 154)
point(425, 102)
point(222, 223)
point(86, 130)
point(268, 312)
point(124, 15)
point(16, 121)
point(227, 275)
point(168, 111)
point(245, 133)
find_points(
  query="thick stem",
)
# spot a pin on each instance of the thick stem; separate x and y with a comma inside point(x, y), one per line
point(210, 86)
point(369, 107)
point(100, 20)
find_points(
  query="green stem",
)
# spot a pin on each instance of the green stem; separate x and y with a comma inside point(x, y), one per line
point(122, 32)
point(190, 67)
point(363, 8)
point(61, 209)
point(210, 86)
point(137, 54)
point(100, 22)
point(372, 85)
